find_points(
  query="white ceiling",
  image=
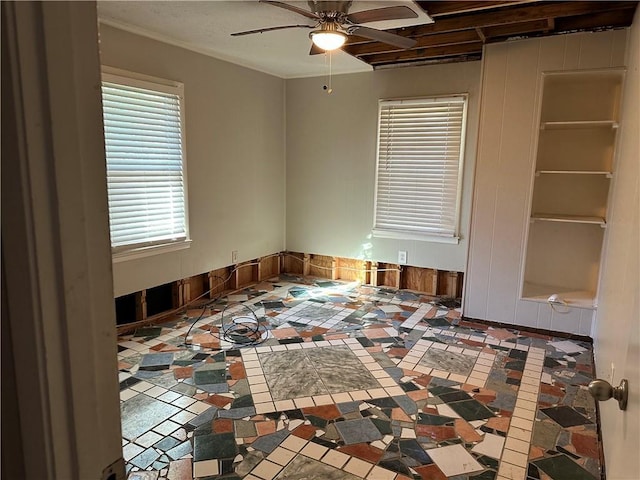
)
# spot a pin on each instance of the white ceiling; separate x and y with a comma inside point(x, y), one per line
point(205, 26)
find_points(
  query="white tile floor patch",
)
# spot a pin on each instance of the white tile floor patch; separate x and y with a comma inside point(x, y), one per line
point(490, 446)
point(390, 309)
point(454, 460)
point(568, 346)
point(206, 468)
point(238, 298)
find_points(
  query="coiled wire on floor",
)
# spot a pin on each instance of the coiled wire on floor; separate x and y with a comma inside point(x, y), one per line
point(241, 329)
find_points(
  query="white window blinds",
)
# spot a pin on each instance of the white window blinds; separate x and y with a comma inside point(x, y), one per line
point(145, 163)
point(420, 152)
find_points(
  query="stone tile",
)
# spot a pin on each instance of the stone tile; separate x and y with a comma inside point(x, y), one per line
point(452, 362)
point(454, 460)
point(304, 468)
point(281, 456)
point(206, 468)
point(268, 443)
point(180, 470)
point(313, 450)
point(471, 410)
point(131, 450)
point(358, 431)
point(209, 376)
point(167, 428)
point(266, 470)
point(335, 458)
point(586, 445)
point(141, 413)
point(214, 445)
point(358, 467)
point(411, 448)
point(327, 412)
point(430, 472)
point(144, 459)
point(167, 443)
point(491, 446)
point(561, 467)
point(206, 416)
point(244, 428)
point(142, 475)
point(466, 431)
point(363, 451)
point(180, 450)
point(565, 416)
point(156, 361)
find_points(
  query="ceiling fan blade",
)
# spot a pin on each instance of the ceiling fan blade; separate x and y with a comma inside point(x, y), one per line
point(292, 8)
point(315, 50)
point(268, 29)
point(382, 36)
point(380, 14)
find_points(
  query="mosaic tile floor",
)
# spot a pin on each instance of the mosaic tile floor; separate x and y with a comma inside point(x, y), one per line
point(352, 382)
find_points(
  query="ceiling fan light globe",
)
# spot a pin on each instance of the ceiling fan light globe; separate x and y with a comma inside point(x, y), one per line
point(328, 40)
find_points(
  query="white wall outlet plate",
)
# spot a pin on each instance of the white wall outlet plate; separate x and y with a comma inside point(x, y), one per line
point(402, 257)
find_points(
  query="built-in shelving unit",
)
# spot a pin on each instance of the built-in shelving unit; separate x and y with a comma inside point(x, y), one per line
point(579, 114)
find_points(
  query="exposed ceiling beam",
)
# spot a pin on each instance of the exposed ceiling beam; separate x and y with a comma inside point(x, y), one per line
point(462, 27)
point(424, 53)
point(439, 9)
point(515, 29)
point(615, 18)
point(439, 39)
point(509, 15)
point(440, 60)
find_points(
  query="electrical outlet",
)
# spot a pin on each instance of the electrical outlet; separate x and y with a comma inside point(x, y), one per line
point(234, 256)
point(402, 257)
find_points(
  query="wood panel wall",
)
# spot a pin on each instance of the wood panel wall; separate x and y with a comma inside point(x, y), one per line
point(512, 74)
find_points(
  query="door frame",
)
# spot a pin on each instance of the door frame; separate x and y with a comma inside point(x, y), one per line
point(58, 318)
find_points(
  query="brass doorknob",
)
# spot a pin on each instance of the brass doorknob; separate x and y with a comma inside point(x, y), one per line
point(602, 390)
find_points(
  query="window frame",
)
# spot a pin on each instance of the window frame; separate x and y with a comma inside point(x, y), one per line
point(382, 232)
point(133, 79)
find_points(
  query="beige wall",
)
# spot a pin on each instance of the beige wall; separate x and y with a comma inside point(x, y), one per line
point(331, 160)
point(617, 332)
point(235, 158)
point(504, 172)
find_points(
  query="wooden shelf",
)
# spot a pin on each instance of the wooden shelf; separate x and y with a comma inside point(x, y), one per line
point(574, 172)
point(573, 298)
point(578, 124)
point(554, 217)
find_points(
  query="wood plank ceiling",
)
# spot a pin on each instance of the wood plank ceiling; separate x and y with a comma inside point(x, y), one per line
point(461, 28)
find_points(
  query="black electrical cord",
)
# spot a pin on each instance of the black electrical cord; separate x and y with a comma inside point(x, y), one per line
point(246, 333)
point(204, 308)
point(238, 333)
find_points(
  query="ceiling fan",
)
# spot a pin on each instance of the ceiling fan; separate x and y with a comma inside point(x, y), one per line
point(333, 23)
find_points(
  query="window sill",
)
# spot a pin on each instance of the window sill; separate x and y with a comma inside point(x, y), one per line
point(147, 251)
point(415, 236)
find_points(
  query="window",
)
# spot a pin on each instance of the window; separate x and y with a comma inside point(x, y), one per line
point(419, 168)
point(144, 138)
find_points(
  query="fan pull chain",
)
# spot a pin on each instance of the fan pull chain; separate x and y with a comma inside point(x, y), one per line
point(329, 90)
